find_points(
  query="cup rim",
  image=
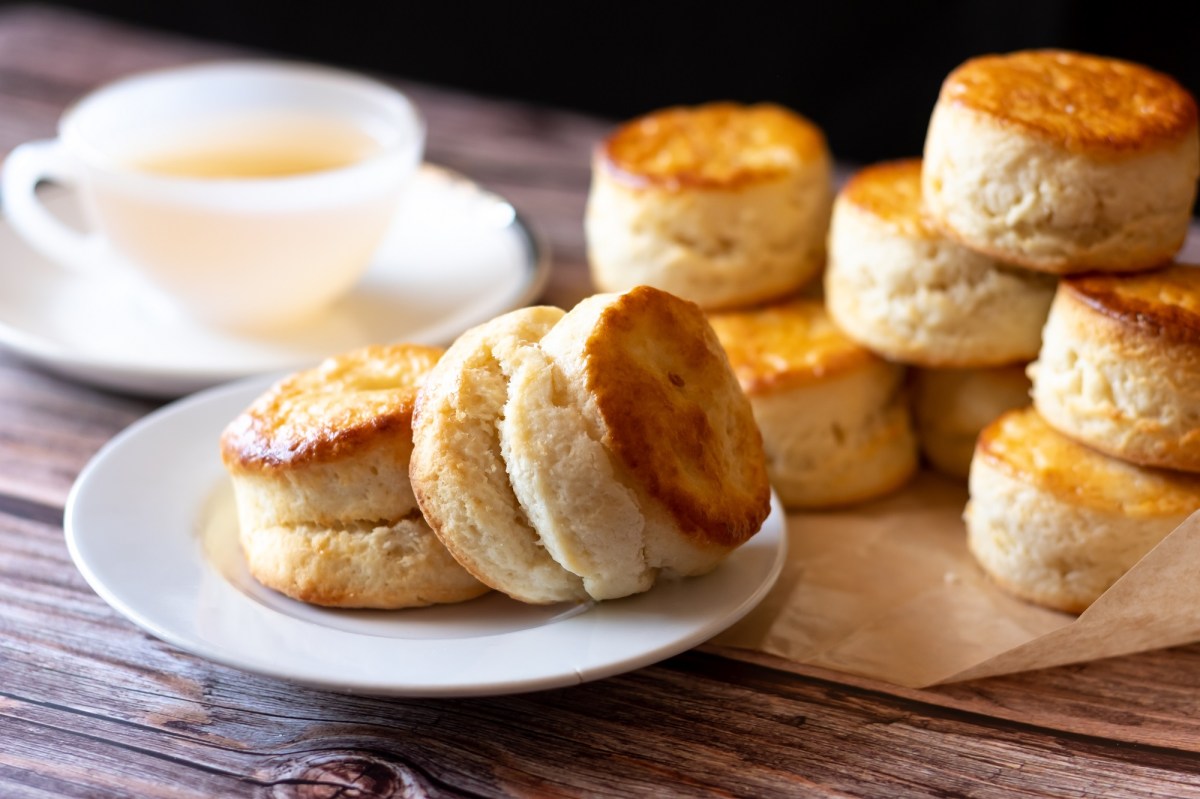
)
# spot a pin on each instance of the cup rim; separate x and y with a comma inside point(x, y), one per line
point(406, 147)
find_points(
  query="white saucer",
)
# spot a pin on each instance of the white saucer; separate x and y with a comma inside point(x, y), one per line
point(458, 256)
point(150, 524)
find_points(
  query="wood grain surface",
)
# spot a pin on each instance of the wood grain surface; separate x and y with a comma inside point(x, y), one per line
point(90, 706)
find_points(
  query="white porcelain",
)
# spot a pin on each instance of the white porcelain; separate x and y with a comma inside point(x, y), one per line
point(150, 523)
point(247, 253)
point(457, 256)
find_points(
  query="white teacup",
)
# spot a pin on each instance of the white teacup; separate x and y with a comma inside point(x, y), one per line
point(252, 194)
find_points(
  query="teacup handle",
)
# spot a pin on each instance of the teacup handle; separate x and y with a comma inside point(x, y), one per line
point(25, 167)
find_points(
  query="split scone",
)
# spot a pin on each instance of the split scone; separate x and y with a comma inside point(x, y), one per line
point(903, 289)
point(320, 473)
point(1063, 162)
point(951, 406)
point(458, 470)
point(721, 204)
point(1120, 366)
point(833, 415)
point(567, 456)
point(1057, 523)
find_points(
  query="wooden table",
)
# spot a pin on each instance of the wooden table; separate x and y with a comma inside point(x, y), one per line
point(92, 706)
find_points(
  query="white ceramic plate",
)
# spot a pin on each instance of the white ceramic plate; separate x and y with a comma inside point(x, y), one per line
point(151, 525)
point(456, 257)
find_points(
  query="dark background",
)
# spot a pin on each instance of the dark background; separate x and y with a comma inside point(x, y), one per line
point(868, 73)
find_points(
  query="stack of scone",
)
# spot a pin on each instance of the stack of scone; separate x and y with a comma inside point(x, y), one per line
point(1082, 167)
point(728, 206)
point(551, 456)
point(565, 456)
point(1066, 496)
point(898, 284)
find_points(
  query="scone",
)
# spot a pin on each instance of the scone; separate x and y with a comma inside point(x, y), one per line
point(562, 457)
point(319, 465)
point(833, 415)
point(898, 286)
point(1120, 366)
point(951, 406)
point(1057, 523)
point(1063, 162)
point(721, 204)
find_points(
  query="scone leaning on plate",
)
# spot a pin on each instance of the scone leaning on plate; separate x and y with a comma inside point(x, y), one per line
point(565, 457)
point(833, 415)
point(319, 465)
point(897, 285)
point(721, 204)
point(1120, 366)
point(951, 407)
point(1063, 162)
point(1057, 523)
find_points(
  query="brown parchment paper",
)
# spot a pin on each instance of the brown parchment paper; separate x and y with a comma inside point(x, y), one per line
point(889, 591)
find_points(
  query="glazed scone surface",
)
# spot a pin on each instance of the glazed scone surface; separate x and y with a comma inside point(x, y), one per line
point(1120, 367)
point(897, 285)
point(324, 444)
point(1162, 303)
point(890, 192)
point(319, 414)
point(1021, 444)
point(786, 344)
point(718, 145)
point(1085, 103)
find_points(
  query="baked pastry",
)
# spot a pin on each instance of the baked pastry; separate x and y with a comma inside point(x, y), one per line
point(565, 457)
point(1120, 366)
point(898, 286)
point(1063, 162)
point(319, 465)
point(833, 415)
point(721, 204)
point(951, 406)
point(1057, 523)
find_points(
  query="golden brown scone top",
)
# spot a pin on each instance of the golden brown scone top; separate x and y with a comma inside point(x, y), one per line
point(675, 417)
point(785, 345)
point(1165, 302)
point(1021, 444)
point(1083, 102)
point(343, 403)
point(891, 192)
point(718, 146)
